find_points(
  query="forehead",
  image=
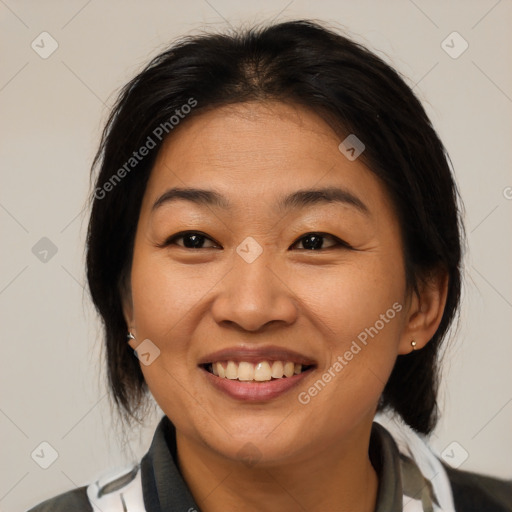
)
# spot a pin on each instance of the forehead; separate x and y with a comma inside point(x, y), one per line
point(254, 153)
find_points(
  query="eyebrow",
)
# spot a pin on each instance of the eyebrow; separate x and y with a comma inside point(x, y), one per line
point(295, 200)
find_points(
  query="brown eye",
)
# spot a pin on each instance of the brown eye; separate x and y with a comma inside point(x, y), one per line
point(315, 241)
point(191, 240)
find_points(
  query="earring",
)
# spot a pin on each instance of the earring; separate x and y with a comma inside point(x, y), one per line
point(130, 336)
point(413, 344)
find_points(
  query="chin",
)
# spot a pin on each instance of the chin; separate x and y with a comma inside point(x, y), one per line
point(267, 440)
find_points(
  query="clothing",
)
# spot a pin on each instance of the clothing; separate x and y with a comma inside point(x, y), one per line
point(402, 486)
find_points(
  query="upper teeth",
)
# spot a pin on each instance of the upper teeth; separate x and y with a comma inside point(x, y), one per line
point(262, 371)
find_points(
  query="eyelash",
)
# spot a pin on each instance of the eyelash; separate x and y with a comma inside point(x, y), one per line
point(339, 243)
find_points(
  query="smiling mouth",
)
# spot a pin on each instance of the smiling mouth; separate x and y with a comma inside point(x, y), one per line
point(263, 371)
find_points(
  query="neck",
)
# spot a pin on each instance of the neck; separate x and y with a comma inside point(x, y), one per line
point(336, 478)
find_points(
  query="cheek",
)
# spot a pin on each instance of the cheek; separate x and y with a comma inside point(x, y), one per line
point(357, 310)
point(167, 304)
point(162, 296)
point(347, 298)
point(164, 293)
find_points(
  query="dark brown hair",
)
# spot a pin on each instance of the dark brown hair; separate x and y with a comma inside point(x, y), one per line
point(355, 91)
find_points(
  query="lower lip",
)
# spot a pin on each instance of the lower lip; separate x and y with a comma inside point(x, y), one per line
point(255, 391)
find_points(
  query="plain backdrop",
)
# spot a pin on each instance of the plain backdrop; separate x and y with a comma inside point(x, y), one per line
point(52, 111)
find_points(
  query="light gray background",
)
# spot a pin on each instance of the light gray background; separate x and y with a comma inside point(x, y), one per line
point(52, 113)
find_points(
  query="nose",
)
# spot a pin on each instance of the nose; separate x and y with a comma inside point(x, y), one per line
point(253, 295)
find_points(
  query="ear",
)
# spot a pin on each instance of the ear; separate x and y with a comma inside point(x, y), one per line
point(425, 311)
point(127, 305)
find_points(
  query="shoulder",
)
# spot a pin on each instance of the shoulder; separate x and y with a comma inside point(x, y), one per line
point(474, 492)
point(75, 500)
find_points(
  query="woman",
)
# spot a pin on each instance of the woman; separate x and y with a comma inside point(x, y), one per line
point(275, 233)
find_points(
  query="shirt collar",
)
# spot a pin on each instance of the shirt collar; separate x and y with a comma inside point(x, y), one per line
point(165, 490)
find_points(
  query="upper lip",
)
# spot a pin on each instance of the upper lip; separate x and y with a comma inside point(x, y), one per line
point(256, 354)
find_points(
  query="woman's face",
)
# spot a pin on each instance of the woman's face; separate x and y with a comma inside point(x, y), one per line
point(248, 285)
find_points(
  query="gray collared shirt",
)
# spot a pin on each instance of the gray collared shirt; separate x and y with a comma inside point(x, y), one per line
point(164, 489)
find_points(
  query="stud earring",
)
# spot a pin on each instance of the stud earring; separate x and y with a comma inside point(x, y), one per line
point(413, 344)
point(130, 336)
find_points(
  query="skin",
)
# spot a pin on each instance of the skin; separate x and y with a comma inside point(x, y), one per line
point(191, 302)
